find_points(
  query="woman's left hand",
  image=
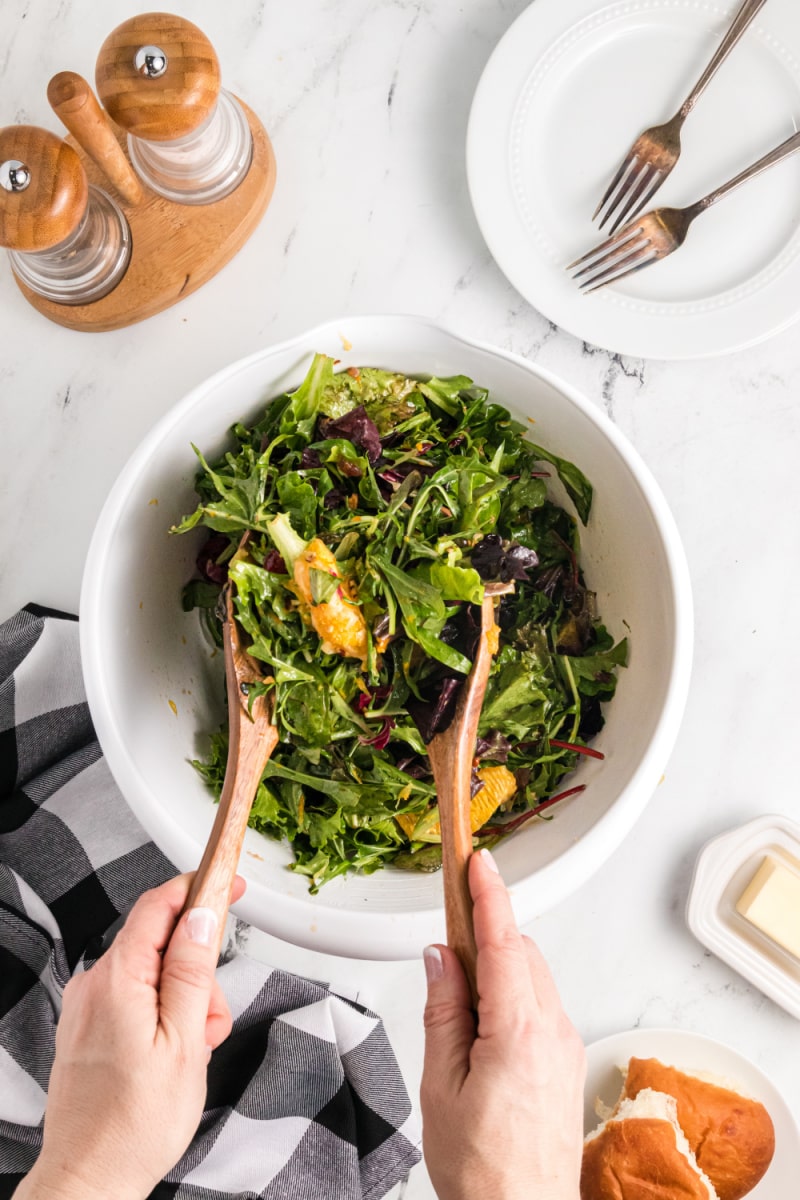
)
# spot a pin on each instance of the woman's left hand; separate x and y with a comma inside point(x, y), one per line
point(128, 1083)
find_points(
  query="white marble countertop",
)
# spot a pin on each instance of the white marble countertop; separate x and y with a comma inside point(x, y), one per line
point(367, 102)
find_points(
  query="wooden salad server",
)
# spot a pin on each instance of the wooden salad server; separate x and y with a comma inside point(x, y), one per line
point(252, 738)
point(451, 753)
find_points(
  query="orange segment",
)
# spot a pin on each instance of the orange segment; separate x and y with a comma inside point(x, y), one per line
point(499, 786)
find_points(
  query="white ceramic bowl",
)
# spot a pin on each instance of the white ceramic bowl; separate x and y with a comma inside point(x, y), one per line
point(154, 688)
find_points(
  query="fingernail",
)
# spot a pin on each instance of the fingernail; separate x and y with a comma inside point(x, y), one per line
point(434, 967)
point(487, 858)
point(201, 925)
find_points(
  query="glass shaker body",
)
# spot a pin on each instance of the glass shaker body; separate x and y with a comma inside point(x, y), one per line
point(87, 264)
point(204, 165)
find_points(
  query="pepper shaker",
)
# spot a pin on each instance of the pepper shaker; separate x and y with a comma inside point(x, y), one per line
point(68, 241)
point(159, 79)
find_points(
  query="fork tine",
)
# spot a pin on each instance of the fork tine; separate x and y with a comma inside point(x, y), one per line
point(618, 241)
point(641, 193)
point(628, 247)
point(648, 196)
point(629, 184)
point(614, 273)
point(627, 162)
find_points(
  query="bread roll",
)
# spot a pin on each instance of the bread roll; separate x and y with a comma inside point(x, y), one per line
point(640, 1153)
point(732, 1136)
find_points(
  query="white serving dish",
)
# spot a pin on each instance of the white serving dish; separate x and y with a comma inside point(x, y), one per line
point(697, 1055)
point(724, 868)
point(142, 654)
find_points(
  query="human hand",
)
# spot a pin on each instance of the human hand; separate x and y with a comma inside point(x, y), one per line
point(502, 1106)
point(128, 1084)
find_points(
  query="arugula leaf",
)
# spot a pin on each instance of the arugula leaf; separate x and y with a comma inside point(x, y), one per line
point(441, 651)
point(299, 501)
point(578, 488)
point(419, 601)
point(446, 393)
point(199, 594)
point(595, 673)
point(417, 490)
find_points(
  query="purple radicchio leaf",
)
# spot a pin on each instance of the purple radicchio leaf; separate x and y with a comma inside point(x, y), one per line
point(548, 579)
point(517, 561)
point(396, 474)
point(334, 497)
point(493, 559)
point(357, 428)
point(415, 766)
point(463, 631)
point(487, 556)
point(434, 716)
point(206, 560)
point(310, 459)
point(494, 746)
point(380, 739)
point(523, 777)
point(592, 719)
point(365, 700)
point(274, 563)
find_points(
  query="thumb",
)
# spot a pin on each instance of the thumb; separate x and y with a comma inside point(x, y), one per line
point(187, 973)
point(449, 1022)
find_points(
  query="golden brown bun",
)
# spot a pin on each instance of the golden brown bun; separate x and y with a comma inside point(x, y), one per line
point(732, 1137)
point(638, 1159)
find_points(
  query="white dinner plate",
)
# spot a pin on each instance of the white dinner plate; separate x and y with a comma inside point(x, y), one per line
point(698, 1055)
point(562, 98)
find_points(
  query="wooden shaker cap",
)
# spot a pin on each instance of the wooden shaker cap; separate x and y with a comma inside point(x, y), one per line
point(168, 106)
point(52, 204)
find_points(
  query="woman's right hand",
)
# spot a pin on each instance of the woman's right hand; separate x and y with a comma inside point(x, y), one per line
point(502, 1103)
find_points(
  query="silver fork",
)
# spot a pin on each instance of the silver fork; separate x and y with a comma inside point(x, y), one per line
point(656, 151)
point(647, 239)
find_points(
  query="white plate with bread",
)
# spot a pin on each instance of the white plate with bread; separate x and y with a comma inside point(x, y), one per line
point(653, 1096)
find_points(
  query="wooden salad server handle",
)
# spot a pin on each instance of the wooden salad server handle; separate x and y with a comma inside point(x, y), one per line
point(451, 754)
point(252, 738)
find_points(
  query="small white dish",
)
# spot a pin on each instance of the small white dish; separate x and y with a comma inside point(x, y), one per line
point(724, 868)
point(698, 1055)
point(562, 98)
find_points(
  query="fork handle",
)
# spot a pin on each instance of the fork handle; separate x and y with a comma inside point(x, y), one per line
point(777, 155)
point(749, 10)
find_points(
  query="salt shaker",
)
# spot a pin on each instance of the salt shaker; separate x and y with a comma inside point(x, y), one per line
point(67, 240)
point(159, 79)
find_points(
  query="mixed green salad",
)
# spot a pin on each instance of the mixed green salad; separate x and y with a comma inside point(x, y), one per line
point(357, 522)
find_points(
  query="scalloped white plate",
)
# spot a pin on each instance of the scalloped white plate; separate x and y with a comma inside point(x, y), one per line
point(697, 1054)
point(561, 100)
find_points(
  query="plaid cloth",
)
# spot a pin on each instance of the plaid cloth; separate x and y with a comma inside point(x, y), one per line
point(305, 1099)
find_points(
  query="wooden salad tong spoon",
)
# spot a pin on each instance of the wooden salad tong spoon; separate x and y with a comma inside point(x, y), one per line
point(252, 738)
point(451, 753)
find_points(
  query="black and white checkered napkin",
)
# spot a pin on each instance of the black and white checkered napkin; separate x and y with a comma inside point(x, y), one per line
point(305, 1098)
